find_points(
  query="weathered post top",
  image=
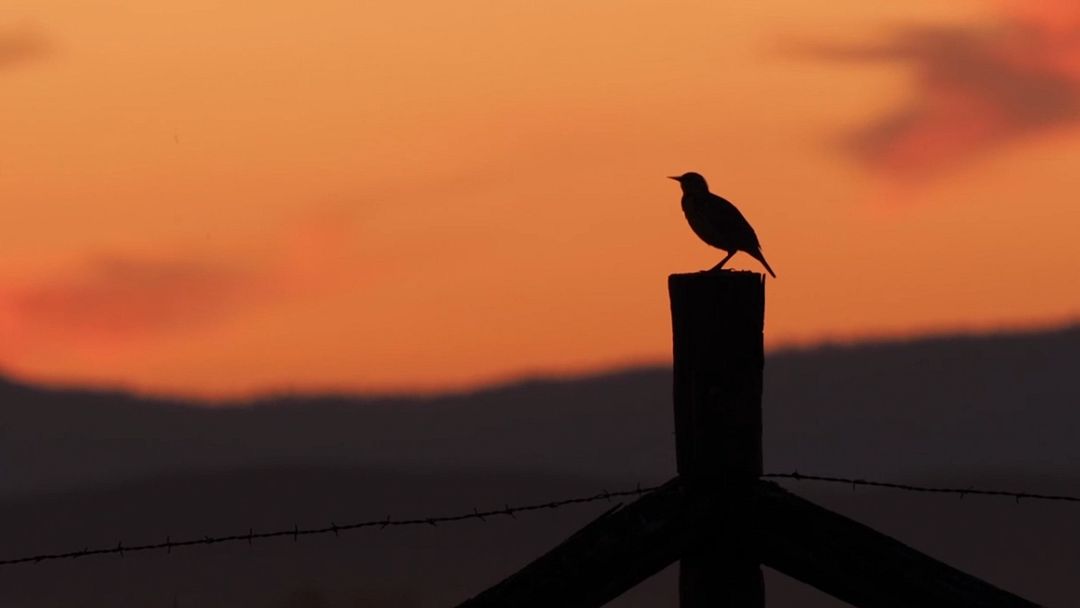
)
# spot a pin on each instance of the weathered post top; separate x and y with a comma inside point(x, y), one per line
point(718, 320)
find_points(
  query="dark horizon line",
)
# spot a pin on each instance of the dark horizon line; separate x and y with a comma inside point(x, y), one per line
point(272, 397)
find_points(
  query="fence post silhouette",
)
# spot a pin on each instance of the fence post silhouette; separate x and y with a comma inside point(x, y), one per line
point(717, 518)
point(717, 333)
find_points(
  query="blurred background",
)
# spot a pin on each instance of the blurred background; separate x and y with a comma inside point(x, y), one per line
point(453, 219)
point(221, 200)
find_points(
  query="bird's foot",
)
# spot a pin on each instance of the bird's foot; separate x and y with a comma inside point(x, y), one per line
point(720, 266)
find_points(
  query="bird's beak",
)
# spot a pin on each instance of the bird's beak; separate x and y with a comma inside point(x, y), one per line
point(673, 177)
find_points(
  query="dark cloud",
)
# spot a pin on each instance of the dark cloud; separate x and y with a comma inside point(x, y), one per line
point(975, 89)
point(19, 45)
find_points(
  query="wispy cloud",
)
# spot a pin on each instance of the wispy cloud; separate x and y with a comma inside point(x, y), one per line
point(21, 44)
point(120, 295)
point(131, 297)
point(975, 89)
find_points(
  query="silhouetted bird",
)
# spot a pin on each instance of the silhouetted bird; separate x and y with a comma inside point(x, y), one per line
point(717, 221)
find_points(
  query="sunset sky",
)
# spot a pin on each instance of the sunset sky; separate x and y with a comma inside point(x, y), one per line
point(229, 198)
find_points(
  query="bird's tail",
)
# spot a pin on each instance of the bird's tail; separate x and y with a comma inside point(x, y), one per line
point(757, 255)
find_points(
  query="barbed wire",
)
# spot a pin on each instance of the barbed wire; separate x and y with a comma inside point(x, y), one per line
point(336, 529)
point(797, 476)
point(506, 511)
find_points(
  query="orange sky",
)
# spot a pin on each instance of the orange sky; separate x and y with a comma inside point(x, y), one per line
point(224, 198)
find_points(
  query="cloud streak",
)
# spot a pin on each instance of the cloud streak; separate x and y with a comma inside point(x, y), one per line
point(20, 45)
point(133, 297)
point(124, 295)
point(975, 89)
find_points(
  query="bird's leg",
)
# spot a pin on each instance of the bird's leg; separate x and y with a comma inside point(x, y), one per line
point(722, 262)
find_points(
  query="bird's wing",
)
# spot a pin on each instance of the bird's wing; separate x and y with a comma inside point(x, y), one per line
point(724, 213)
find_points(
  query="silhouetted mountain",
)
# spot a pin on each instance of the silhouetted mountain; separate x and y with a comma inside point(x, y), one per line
point(1002, 403)
point(87, 468)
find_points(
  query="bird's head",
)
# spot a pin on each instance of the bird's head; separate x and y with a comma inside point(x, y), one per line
point(691, 182)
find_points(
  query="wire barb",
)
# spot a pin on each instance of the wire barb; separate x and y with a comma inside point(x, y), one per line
point(296, 531)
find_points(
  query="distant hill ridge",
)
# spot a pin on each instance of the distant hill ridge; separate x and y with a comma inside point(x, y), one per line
point(999, 402)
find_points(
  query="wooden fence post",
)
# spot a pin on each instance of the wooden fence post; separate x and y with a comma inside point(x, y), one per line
point(717, 517)
point(717, 334)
